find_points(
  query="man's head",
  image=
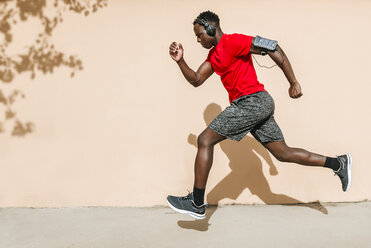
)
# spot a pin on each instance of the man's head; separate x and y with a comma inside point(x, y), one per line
point(207, 29)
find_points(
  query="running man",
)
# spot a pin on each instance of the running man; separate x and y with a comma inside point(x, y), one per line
point(251, 108)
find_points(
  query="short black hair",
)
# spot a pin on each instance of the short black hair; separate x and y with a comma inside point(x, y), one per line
point(209, 17)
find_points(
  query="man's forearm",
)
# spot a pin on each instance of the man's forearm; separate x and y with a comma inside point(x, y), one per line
point(190, 75)
point(279, 57)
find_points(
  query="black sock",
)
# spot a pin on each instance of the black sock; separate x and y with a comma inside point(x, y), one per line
point(198, 196)
point(332, 163)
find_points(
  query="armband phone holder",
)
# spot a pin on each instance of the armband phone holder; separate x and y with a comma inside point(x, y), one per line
point(265, 45)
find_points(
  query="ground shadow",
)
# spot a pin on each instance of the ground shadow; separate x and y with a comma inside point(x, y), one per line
point(246, 173)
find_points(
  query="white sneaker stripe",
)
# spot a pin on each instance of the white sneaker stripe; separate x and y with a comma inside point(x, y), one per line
point(349, 167)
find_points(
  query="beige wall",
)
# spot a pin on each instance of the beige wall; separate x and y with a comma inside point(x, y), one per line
point(120, 133)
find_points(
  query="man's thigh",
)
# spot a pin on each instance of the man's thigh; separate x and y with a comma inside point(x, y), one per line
point(267, 131)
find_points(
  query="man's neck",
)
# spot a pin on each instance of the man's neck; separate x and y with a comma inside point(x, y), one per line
point(218, 36)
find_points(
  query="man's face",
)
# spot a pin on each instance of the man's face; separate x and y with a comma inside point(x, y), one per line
point(202, 37)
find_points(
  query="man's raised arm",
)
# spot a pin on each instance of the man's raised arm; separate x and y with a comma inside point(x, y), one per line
point(195, 78)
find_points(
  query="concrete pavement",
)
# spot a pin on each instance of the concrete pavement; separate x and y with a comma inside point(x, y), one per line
point(310, 225)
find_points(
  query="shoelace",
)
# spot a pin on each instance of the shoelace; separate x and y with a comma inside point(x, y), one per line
point(190, 197)
point(187, 197)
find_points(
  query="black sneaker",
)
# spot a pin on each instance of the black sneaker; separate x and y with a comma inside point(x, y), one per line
point(186, 205)
point(345, 170)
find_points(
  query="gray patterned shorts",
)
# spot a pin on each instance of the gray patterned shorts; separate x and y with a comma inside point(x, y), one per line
point(251, 113)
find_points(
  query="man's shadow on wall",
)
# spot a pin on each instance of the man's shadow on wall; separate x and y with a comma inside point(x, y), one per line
point(246, 173)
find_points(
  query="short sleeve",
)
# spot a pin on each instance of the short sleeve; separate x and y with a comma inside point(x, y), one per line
point(240, 44)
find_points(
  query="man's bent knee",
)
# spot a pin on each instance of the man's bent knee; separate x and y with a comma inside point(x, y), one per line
point(208, 138)
point(202, 140)
point(280, 151)
point(282, 157)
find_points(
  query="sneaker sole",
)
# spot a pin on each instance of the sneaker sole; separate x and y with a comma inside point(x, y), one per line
point(349, 168)
point(182, 211)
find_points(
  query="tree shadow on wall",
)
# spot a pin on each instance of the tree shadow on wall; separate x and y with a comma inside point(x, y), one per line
point(246, 173)
point(41, 56)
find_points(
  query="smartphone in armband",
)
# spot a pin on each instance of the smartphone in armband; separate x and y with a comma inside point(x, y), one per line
point(265, 45)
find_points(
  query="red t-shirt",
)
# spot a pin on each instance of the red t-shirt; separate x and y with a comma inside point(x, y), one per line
point(231, 60)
